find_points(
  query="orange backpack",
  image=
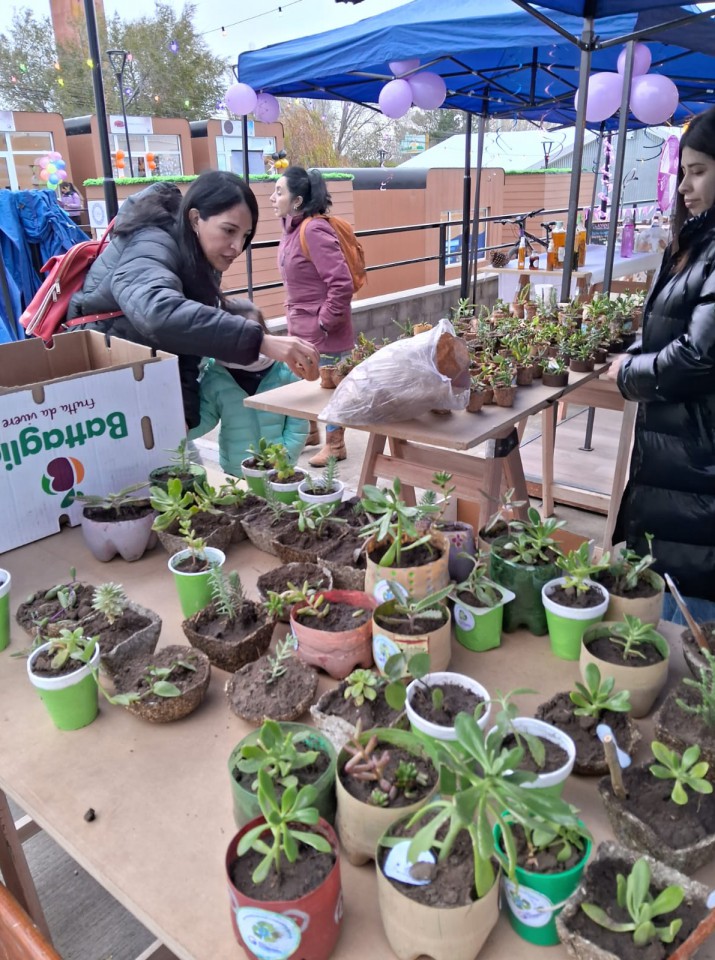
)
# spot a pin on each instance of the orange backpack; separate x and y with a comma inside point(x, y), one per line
point(349, 244)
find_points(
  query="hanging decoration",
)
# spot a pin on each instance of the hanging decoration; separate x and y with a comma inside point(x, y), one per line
point(277, 162)
point(267, 108)
point(653, 98)
point(119, 160)
point(428, 90)
point(242, 99)
point(425, 89)
point(668, 174)
point(151, 161)
point(603, 97)
point(52, 169)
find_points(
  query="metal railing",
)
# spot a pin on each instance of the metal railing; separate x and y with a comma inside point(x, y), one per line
point(441, 226)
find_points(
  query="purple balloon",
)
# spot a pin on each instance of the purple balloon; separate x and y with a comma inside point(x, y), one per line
point(267, 108)
point(240, 98)
point(641, 60)
point(395, 99)
point(428, 90)
point(654, 98)
point(62, 174)
point(604, 96)
point(398, 67)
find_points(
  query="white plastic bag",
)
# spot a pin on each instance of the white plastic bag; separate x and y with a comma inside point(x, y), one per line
point(403, 380)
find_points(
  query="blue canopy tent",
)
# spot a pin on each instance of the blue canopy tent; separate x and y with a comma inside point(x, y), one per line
point(508, 60)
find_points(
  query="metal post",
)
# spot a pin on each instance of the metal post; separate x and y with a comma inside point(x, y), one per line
point(618, 169)
point(442, 262)
point(108, 184)
point(477, 202)
point(118, 61)
point(466, 206)
point(579, 131)
point(590, 417)
point(246, 177)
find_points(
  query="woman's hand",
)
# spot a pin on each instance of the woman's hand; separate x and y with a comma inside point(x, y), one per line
point(612, 373)
point(301, 357)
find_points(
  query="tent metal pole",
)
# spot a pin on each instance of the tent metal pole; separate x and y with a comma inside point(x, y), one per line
point(246, 177)
point(108, 184)
point(587, 38)
point(618, 169)
point(599, 152)
point(466, 206)
point(477, 202)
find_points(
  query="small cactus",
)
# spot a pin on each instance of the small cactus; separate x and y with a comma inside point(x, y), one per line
point(109, 599)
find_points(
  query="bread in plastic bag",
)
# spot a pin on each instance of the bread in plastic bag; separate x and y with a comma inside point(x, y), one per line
point(404, 379)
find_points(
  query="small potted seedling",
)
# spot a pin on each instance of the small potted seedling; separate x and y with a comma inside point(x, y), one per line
point(687, 715)
point(279, 685)
point(404, 625)
point(574, 601)
point(459, 533)
point(634, 587)
point(162, 686)
point(61, 670)
point(667, 809)
point(283, 477)
point(231, 630)
point(498, 523)
point(255, 467)
point(263, 524)
point(293, 755)
point(191, 570)
point(333, 629)
point(433, 700)
point(479, 607)
point(590, 710)
point(180, 466)
point(361, 698)
point(282, 581)
point(323, 489)
point(520, 350)
point(177, 507)
point(555, 372)
point(118, 523)
point(315, 525)
point(580, 350)
point(503, 383)
point(631, 652)
point(125, 629)
point(64, 604)
point(628, 904)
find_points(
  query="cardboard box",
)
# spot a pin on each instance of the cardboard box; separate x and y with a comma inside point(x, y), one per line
point(89, 415)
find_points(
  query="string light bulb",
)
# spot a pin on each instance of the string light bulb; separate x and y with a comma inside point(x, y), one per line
point(223, 31)
point(280, 11)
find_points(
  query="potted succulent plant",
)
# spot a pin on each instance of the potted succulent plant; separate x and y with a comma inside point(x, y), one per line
point(124, 629)
point(574, 602)
point(282, 580)
point(634, 588)
point(283, 478)
point(503, 384)
point(263, 524)
point(62, 671)
point(315, 525)
point(118, 523)
point(278, 685)
point(326, 488)
point(231, 630)
point(180, 466)
point(555, 372)
point(267, 855)
point(687, 715)
point(176, 508)
point(360, 698)
point(632, 652)
point(334, 630)
point(459, 534)
point(191, 568)
point(404, 625)
point(497, 525)
point(479, 608)
point(64, 604)
point(255, 467)
point(478, 393)
point(293, 755)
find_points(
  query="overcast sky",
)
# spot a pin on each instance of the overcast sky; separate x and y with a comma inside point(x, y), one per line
point(265, 26)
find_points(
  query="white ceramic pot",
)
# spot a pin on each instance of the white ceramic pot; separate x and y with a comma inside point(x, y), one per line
point(335, 496)
point(434, 680)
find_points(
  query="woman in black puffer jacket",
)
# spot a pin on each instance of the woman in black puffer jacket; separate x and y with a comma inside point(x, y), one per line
point(671, 373)
point(163, 269)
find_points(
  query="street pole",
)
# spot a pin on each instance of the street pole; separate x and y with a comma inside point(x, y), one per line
point(118, 62)
point(108, 184)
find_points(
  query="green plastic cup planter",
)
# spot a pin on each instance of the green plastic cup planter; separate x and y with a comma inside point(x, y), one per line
point(567, 624)
point(285, 492)
point(194, 589)
point(536, 899)
point(526, 610)
point(255, 479)
point(5, 581)
point(71, 699)
point(479, 628)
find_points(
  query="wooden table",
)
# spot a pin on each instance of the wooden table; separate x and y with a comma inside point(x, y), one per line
point(432, 442)
point(161, 792)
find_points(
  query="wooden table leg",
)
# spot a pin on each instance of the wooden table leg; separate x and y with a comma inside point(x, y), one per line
point(397, 450)
point(16, 872)
point(375, 446)
point(548, 445)
point(621, 472)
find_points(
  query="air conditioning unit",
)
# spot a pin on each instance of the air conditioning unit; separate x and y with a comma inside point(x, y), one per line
point(231, 128)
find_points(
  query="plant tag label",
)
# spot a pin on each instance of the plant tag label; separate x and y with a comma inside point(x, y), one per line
point(398, 867)
point(531, 907)
point(710, 902)
point(463, 618)
point(268, 935)
point(382, 649)
point(383, 591)
point(603, 730)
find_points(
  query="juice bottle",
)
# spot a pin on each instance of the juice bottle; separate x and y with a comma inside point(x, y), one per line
point(581, 241)
point(558, 235)
point(521, 254)
point(551, 256)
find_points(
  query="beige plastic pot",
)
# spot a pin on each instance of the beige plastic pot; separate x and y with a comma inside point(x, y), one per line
point(419, 582)
point(385, 642)
point(643, 683)
point(647, 609)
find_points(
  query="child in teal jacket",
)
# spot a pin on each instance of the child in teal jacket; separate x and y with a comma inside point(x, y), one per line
point(223, 388)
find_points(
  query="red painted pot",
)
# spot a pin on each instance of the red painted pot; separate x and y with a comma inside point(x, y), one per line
point(341, 652)
point(304, 929)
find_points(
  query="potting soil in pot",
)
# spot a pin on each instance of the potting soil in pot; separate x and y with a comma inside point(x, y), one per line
point(294, 881)
point(221, 628)
point(643, 588)
point(127, 511)
point(599, 882)
point(542, 861)
point(456, 699)
point(304, 775)
point(296, 477)
point(419, 625)
point(112, 634)
point(590, 758)
point(192, 564)
point(408, 558)
point(372, 713)
point(679, 729)
point(276, 580)
point(602, 648)
point(580, 600)
point(37, 608)
point(42, 666)
point(556, 757)
point(131, 675)
point(347, 511)
point(203, 524)
point(362, 789)
point(251, 697)
point(307, 539)
point(338, 619)
point(347, 552)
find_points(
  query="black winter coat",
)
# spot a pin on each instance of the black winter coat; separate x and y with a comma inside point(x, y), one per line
point(142, 272)
point(671, 489)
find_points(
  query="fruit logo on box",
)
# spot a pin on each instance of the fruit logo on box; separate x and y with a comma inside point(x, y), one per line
point(61, 476)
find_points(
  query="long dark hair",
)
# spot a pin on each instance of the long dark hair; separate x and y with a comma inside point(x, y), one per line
point(211, 193)
point(309, 185)
point(699, 136)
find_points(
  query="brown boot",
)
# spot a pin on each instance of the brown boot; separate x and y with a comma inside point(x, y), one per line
point(334, 447)
point(313, 438)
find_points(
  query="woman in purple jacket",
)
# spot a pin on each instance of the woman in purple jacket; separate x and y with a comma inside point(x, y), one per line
point(318, 287)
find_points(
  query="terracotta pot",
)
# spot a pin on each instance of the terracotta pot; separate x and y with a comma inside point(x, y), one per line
point(517, 309)
point(581, 366)
point(504, 396)
point(341, 652)
point(524, 375)
point(418, 581)
point(529, 310)
point(385, 642)
point(647, 609)
point(414, 930)
point(128, 538)
point(166, 709)
point(326, 376)
point(477, 399)
point(230, 654)
point(308, 927)
point(643, 683)
point(317, 571)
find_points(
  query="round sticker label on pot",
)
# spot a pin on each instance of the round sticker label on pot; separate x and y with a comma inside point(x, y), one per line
point(398, 867)
point(528, 905)
point(382, 649)
point(269, 936)
point(383, 592)
point(463, 618)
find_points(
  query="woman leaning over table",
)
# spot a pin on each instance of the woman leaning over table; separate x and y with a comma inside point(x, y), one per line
point(319, 285)
point(671, 374)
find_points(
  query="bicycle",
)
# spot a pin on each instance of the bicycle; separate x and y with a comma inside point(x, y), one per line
point(520, 221)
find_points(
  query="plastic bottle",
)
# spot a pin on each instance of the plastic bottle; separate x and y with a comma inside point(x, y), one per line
point(628, 235)
point(551, 255)
point(521, 254)
point(581, 240)
point(558, 235)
